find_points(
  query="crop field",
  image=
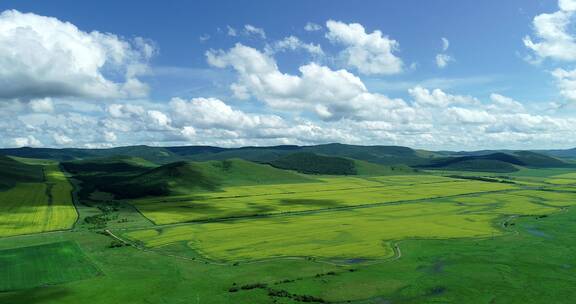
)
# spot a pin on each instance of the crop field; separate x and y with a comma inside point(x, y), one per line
point(38, 207)
point(334, 192)
point(33, 266)
point(365, 232)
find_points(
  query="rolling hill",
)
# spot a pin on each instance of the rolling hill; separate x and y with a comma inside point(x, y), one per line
point(311, 163)
point(185, 177)
point(496, 162)
point(13, 172)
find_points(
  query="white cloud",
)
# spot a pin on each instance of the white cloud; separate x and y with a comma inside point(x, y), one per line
point(439, 98)
point(28, 141)
point(214, 113)
point(109, 136)
point(43, 105)
point(45, 57)
point(566, 82)
point(502, 103)
point(62, 140)
point(567, 5)
point(442, 60)
point(231, 31)
point(158, 120)
point(332, 95)
point(294, 43)
point(312, 27)
point(445, 44)
point(553, 38)
point(252, 30)
point(188, 132)
point(370, 53)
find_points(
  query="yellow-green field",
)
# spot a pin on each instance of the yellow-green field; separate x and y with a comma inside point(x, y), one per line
point(334, 192)
point(342, 217)
point(364, 232)
point(38, 207)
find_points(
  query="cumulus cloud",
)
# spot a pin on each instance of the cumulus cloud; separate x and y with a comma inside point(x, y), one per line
point(252, 30)
point(552, 36)
point(46, 57)
point(62, 140)
point(369, 53)
point(312, 27)
point(43, 105)
point(442, 59)
point(332, 95)
point(566, 82)
point(501, 103)
point(214, 113)
point(109, 136)
point(293, 43)
point(28, 141)
point(231, 31)
point(438, 98)
point(445, 44)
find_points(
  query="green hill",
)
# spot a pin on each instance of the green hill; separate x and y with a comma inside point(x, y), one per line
point(533, 159)
point(154, 154)
point(97, 173)
point(108, 164)
point(310, 163)
point(495, 162)
point(367, 168)
point(13, 172)
point(185, 177)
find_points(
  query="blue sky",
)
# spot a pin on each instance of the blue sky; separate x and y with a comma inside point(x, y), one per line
point(428, 74)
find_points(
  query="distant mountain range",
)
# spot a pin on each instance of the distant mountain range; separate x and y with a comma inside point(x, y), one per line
point(342, 158)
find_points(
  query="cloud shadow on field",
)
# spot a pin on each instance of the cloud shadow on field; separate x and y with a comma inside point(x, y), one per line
point(326, 203)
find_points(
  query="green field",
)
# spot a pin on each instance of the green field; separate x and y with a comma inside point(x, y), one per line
point(330, 192)
point(365, 233)
point(38, 207)
point(424, 237)
point(41, 265)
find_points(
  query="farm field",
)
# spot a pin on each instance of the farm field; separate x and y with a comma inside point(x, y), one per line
point(516, 263)
point(38, 207)
point(53, 263)
point(329, 192)
point(364, 233)
point(418, 238)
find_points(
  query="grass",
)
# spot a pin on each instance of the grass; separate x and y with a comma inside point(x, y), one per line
point(331, 192)
point(41, 265)
point(356, 233)
point(184, 177)
point(38, 207)
point(530, 259)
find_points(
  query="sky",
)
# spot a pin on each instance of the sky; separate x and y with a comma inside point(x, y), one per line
point(436, 75)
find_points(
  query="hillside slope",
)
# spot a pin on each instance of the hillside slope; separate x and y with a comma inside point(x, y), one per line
point(13, 172)
point(185, 177)
point(496, 162)
point(311, 163)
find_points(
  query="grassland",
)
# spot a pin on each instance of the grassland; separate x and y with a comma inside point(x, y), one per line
point(365, 233)
point(418, 238)
point(38, 206)
point(53, 263)
point(330, 192)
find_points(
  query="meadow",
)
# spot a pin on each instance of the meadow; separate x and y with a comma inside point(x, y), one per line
point(418, 238)
point(38, 206)
point(365, 232)
point(53, 263)
point(328, 192)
